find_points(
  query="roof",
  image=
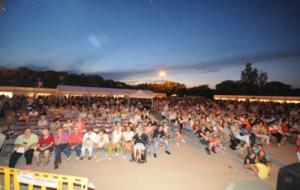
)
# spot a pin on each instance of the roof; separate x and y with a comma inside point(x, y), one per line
point(65, 89)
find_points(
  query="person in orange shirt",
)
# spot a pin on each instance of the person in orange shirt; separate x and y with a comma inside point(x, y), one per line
point(75, 141)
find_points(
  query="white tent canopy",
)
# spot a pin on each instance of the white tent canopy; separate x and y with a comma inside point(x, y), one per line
point(142, 94)
point(132, 93)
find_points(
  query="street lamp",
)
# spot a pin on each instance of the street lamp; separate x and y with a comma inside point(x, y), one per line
point(162, 74)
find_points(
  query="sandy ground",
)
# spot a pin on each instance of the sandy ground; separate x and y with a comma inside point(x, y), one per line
point(189, 167)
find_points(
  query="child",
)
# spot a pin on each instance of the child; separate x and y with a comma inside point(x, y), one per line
point(250, 161)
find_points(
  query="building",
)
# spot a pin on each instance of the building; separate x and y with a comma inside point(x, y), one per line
point(64, 90)
point(278, 99)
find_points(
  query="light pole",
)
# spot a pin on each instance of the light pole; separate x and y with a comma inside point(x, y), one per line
point(162, 74)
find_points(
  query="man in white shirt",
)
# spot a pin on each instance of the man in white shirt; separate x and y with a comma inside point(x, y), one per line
point(88, 141)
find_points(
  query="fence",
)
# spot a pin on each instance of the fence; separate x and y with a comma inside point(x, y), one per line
point(15, 179)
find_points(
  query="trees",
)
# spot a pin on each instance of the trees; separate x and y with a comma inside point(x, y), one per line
point(228, 87)
point(254, 82)
point(202, 90)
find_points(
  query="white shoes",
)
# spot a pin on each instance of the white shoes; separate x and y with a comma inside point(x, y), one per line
point(70, 157)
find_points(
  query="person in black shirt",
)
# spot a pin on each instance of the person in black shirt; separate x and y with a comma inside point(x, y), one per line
point(140, 140)
point(250, 162)
point(159, 137)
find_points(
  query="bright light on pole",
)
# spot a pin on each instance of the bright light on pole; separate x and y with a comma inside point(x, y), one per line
point(162, 74)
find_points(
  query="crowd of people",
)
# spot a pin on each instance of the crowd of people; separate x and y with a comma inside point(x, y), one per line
point(95, 127)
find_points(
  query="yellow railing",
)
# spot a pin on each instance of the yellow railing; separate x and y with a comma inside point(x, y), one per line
point(12, 179)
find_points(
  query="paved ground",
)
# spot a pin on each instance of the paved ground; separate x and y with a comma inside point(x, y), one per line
point(189, 167)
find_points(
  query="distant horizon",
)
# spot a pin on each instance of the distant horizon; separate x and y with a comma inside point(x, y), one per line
point(153, 82)
point(196, 42)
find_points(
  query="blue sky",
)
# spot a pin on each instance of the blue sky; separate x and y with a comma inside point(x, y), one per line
point(196, 42)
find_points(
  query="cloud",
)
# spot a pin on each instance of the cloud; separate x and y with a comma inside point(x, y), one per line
point(97, 41)
point(204, 67)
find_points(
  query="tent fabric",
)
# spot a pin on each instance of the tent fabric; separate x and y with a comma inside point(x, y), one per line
point(65, 89)
point(142, 94)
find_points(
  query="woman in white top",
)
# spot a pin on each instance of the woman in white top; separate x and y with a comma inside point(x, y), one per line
point(127, 146)
point(102, 141)
point(115, 142)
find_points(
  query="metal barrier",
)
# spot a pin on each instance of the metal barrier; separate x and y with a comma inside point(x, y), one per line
point(14, 179)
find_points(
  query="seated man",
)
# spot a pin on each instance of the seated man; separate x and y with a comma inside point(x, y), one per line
point(88, 141)
point(24, 144)
point(159, 137)
point(102, 141)
point(75, 141)
point(44, 146)
point(61, 140)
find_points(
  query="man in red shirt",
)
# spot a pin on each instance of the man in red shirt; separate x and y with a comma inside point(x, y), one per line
point(75, 141)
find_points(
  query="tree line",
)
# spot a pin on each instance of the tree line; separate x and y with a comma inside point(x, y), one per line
point(252, 82)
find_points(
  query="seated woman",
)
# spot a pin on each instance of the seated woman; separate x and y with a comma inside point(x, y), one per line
point(44, 146)
point(88, 142)
point(61, 140)
point(264, 159)
point(206, 135)
point(250, 161)
point(24, 144)
point(261, 133)
point(240, 134)
point(277, 132)
point(127, 137)
point(140, 140)
point(178, 131)
point(115, 142)
point(42, 122)
point(102, 141)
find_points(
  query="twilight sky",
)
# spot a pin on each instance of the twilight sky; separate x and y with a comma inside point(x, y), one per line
point(195, 41)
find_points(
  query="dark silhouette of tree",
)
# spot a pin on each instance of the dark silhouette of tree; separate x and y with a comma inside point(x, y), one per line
point(276, 88)
point(253, 82)
point(202, 90)
point(228, 87)
point(262, 78)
